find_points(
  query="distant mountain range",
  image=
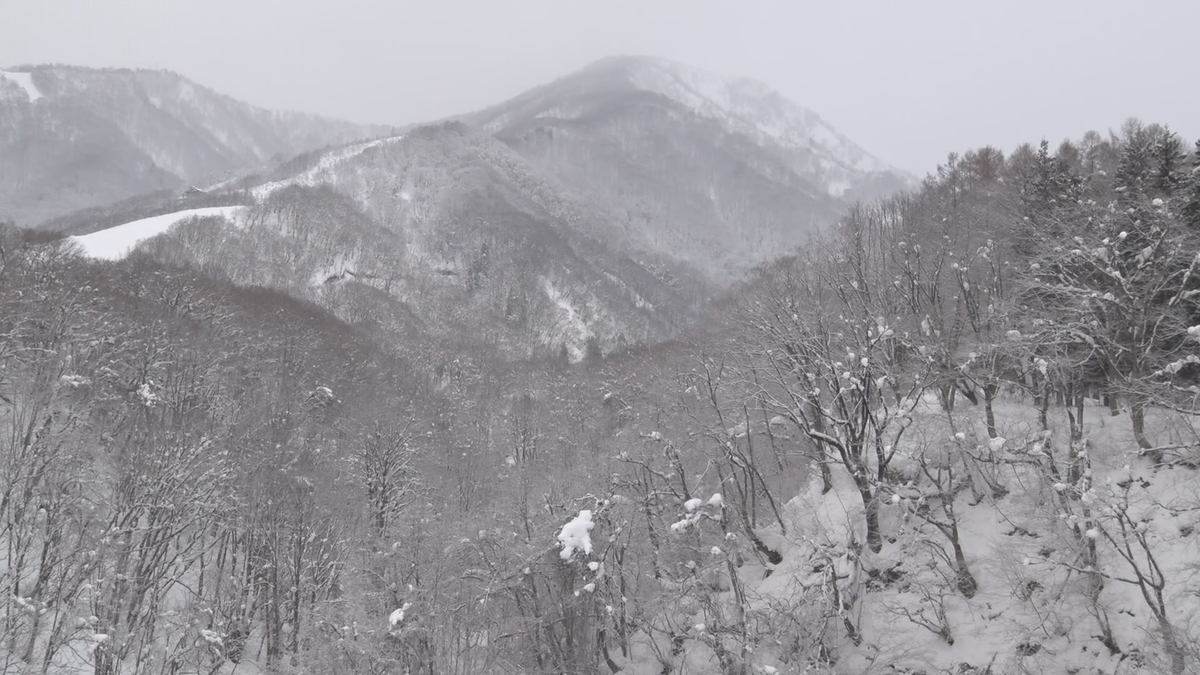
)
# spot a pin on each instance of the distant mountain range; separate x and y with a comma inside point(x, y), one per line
point(590, 214)
point(72, 138)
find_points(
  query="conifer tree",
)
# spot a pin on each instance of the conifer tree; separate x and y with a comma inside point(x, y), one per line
point(1171, 162)
point(1134, 180)
point(1191, 191)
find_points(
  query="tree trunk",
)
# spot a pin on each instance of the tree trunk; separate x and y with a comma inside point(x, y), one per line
point(946, 393)
point(1043, 405)
point(989, 396)
point(273, 618)
point(826, 476)
point(1172, 646)
point(966, 581)
point(1113, 403)
point(1137, 417)
point(871, 505)
point(105, 664)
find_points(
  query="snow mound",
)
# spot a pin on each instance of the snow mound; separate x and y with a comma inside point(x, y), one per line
point(574, 535)
point(24, 81)
point(397, 617)
point(116, 242)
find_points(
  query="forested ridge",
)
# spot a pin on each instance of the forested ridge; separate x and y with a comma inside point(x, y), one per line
point(953, 433)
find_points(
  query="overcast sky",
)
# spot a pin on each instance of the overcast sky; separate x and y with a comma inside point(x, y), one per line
point(909, 80)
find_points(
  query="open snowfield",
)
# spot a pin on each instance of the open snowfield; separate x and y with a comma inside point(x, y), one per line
point(116, 242)
point(25, 81)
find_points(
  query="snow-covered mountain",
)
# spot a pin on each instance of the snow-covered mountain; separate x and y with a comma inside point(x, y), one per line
point(586, 215)
point(73, 137)
point(444, 233)
point(721, 172)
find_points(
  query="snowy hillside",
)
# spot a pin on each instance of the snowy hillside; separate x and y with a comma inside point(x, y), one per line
point(448, 232)
point(1025, 533)
point(1071, 572)
point(116, 242)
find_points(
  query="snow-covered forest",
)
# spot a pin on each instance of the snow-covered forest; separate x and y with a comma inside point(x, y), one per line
point(953, 433)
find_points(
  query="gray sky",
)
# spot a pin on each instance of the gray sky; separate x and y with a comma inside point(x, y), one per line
point(910, 80)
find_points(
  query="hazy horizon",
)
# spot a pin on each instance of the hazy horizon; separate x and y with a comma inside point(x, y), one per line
point(910, 84)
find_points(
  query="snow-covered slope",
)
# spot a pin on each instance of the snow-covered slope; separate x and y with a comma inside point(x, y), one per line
point(1078, 556)
point(115, 243)
point(24, 81)
point(451, 227)
point(719, 172)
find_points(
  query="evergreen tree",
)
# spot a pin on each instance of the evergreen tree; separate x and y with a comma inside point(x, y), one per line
point(1135, 166)
point(1042, 188)
point(1191, 192)
point(1170, 163)
point(1067, 183)
point(1053, 185)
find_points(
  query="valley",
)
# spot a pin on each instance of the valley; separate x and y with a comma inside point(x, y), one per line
point(645, 370)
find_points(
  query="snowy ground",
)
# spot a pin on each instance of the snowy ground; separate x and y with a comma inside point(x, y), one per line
point(116, 242)
point(1031, 612)
point(1034, 611)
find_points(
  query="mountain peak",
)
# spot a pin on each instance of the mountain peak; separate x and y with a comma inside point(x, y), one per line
point(742, 105)
point(716, 171)
point(637, 66)
point(748, 106)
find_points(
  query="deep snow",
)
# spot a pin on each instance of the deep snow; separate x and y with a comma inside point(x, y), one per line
point(116, 242)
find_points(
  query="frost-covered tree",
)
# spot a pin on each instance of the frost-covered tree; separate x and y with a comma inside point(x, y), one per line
point(829, 356)
point(1116, 290)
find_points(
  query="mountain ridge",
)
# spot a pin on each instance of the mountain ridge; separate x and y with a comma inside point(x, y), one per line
point(95, 136)
point(449, 225)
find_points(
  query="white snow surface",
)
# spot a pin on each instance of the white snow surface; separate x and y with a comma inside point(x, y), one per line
point(397, 616)
point(570, 329)
point(25, 81)
point(116, 242)
point(575, 536)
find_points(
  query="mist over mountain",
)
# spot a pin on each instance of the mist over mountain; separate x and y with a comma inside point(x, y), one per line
point(73, 137)
point(719, 172)
point(589, 215)
point(592, 214)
